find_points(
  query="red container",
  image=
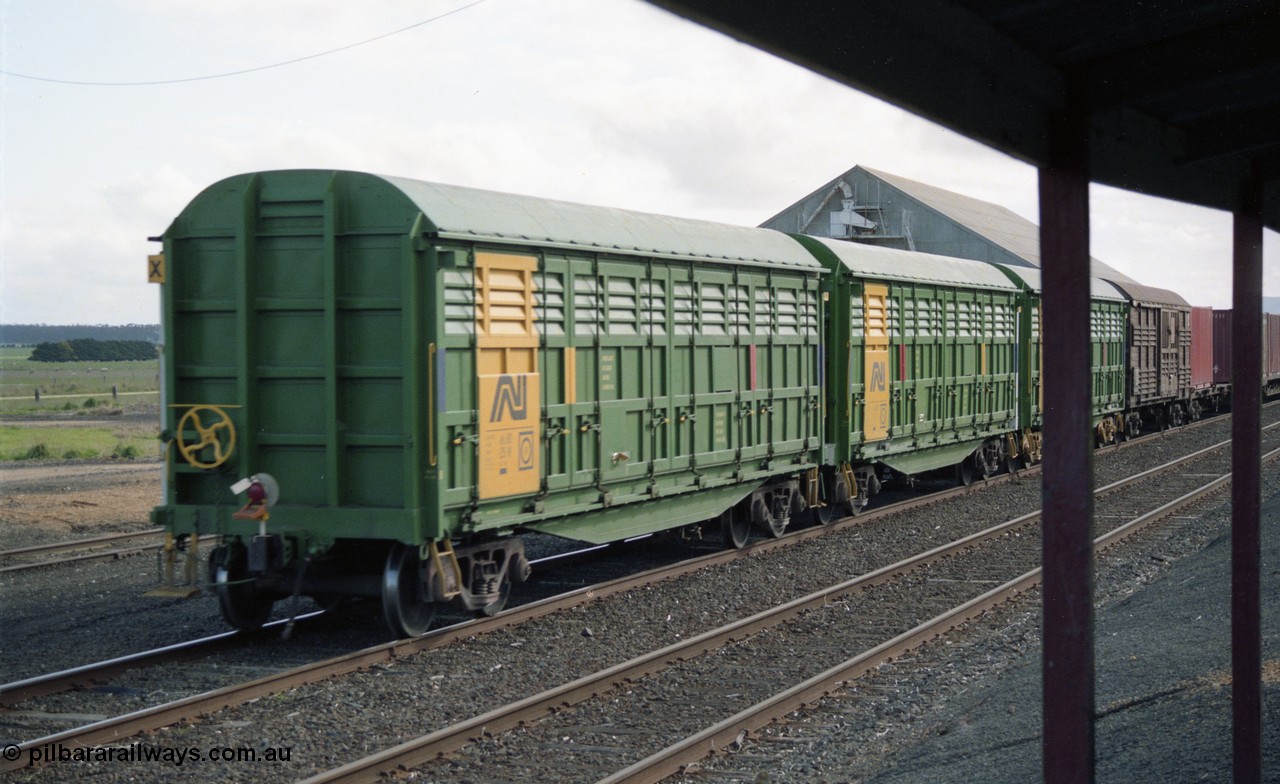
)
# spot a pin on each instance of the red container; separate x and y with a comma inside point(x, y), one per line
point(1270, 346)
point(1202, 347)
point(1222, 347)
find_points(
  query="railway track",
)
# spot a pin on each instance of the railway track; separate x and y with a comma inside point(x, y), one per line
point(94, 544)
point(948, 586)
point(94, 548)
point(677, 756)
point(113, 729)
point(96, 674)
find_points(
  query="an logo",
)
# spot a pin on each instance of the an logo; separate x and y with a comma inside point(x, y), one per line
point(509, 435)
point(878, 381)
point(511, 398)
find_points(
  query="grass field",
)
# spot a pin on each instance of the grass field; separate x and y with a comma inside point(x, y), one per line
point(65, 386)
point(77, 416)
point(125, 439)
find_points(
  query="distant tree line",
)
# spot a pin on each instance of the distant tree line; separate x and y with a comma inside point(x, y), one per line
point(33, 334)
point(90, 350)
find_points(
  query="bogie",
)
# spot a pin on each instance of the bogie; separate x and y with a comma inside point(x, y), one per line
point(770, 507)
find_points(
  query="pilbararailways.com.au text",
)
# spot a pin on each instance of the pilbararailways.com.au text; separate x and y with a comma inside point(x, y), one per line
point(144, 753)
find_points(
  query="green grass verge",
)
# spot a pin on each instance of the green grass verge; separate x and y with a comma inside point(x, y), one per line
point(125, 440)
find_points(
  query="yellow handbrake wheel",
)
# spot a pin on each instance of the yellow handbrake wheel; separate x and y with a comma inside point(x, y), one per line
point(214, 428)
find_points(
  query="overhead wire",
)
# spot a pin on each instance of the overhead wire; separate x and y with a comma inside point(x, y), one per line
point(243, 70)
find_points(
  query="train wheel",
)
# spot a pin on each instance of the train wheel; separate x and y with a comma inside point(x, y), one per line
point(831, 486)
point(406, 612)
point(822, 515)
point(964, 473)
point(242, 604)
point(735, 527)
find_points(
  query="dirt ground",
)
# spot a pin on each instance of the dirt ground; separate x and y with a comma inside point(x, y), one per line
point(70, 499)
point(52, 502)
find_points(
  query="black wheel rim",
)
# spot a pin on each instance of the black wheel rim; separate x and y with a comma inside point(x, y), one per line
point(735, 528)
point(243, 606)
point(407, 615)
point(825, 512)
point(823, 515)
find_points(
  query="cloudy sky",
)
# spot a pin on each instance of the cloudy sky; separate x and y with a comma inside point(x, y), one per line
point(607, 102)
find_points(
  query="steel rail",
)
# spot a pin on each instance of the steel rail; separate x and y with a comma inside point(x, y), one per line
point(122, 552)
point(429, 747)
point(678, 756)
point(99, 672)
point(11, 693)
point(76, 544)
point(113, 729)
point(451, 738)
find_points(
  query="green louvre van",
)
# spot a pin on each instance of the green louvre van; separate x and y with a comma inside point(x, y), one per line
point(923, 365)
point(1108, 317)
point(371, 383)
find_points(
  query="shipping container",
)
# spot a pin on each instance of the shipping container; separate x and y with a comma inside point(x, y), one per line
point(1268, 344)
point(1202, 337)
point(1222, 346)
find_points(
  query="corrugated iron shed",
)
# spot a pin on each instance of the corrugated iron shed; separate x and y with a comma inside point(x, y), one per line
point(913, 215)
